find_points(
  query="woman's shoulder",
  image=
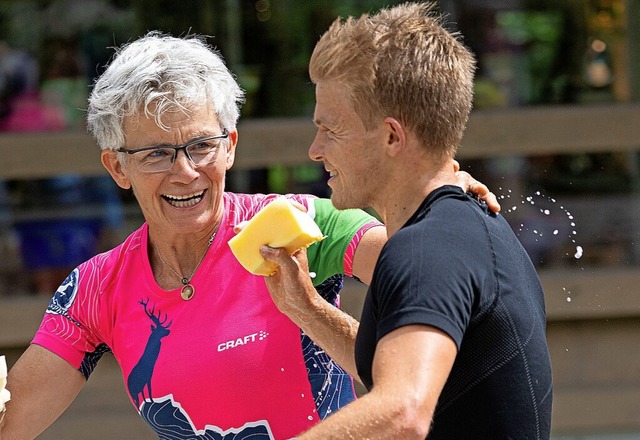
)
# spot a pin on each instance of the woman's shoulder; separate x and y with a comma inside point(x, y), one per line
point(109, 263)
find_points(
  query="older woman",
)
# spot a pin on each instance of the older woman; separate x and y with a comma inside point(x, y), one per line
point(202, 348)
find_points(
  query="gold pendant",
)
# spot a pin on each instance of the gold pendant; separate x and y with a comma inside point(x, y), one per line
point(187, 292)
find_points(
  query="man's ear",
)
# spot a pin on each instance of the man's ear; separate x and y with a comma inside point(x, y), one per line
point(111, 162)
point(395, 135)
point(231, 148)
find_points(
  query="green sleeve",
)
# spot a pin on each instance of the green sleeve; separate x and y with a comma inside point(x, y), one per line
point(326, 258)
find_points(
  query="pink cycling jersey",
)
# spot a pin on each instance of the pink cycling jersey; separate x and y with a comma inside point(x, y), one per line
point(225, 364)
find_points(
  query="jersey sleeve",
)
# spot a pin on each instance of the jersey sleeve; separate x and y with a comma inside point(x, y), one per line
point(343, 230)
point(421, 278)
point(65, 328)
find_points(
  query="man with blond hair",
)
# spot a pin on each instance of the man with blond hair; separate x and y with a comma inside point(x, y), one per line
point(451, 343)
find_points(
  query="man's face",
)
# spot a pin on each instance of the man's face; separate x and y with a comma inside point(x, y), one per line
point(351, 155)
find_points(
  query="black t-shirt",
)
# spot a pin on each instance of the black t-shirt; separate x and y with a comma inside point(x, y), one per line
point(458, 267)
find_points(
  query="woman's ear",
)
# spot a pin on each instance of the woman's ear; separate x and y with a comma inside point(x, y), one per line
point(231, 148)
point(395, 135)
point(113, 165)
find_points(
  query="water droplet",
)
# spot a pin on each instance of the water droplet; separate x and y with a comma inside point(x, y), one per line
point(568, 299)
point(578, 253)
point(555, 232)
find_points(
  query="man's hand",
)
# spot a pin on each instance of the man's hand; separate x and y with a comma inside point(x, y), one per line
point(294, 294)
point(479, 189)
point(290, 286)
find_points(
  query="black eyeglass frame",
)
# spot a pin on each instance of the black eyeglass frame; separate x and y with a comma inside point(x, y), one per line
point(224, 135)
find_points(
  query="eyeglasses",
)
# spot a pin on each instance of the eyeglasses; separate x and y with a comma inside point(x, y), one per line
point(200, 152)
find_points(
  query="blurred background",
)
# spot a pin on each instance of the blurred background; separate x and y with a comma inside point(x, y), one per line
point(555, 133)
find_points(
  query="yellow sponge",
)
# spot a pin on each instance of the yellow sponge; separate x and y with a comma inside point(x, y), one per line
point(280, 225)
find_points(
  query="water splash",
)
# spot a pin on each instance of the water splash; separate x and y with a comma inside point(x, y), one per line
point(540, 210)
point(544, 227)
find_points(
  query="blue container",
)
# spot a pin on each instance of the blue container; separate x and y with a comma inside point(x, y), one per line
point(57, 243)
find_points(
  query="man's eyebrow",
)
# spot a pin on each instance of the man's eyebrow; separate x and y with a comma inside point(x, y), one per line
point(324, 122)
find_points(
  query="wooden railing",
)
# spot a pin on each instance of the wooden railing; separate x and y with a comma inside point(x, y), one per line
point(529, 132)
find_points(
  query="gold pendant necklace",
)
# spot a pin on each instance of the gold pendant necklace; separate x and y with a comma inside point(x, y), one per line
point(188, 291)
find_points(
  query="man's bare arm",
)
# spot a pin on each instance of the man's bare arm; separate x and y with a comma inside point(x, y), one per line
point(410, 367)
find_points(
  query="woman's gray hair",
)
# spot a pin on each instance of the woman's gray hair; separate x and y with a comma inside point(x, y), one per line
point(156, 74)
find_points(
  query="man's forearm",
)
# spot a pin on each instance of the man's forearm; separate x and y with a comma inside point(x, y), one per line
point(374, 416)
point(331, 328)
point(294, 294)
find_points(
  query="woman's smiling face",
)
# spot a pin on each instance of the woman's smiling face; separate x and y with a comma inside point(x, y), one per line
point(186, 198)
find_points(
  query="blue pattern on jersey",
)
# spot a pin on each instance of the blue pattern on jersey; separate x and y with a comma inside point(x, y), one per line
point(91, 360)
point(331, 386)
point(170, 422)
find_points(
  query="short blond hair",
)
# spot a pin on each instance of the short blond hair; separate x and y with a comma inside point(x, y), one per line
point(403, 63)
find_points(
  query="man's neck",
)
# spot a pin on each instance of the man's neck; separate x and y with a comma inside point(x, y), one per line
point(404, 194)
